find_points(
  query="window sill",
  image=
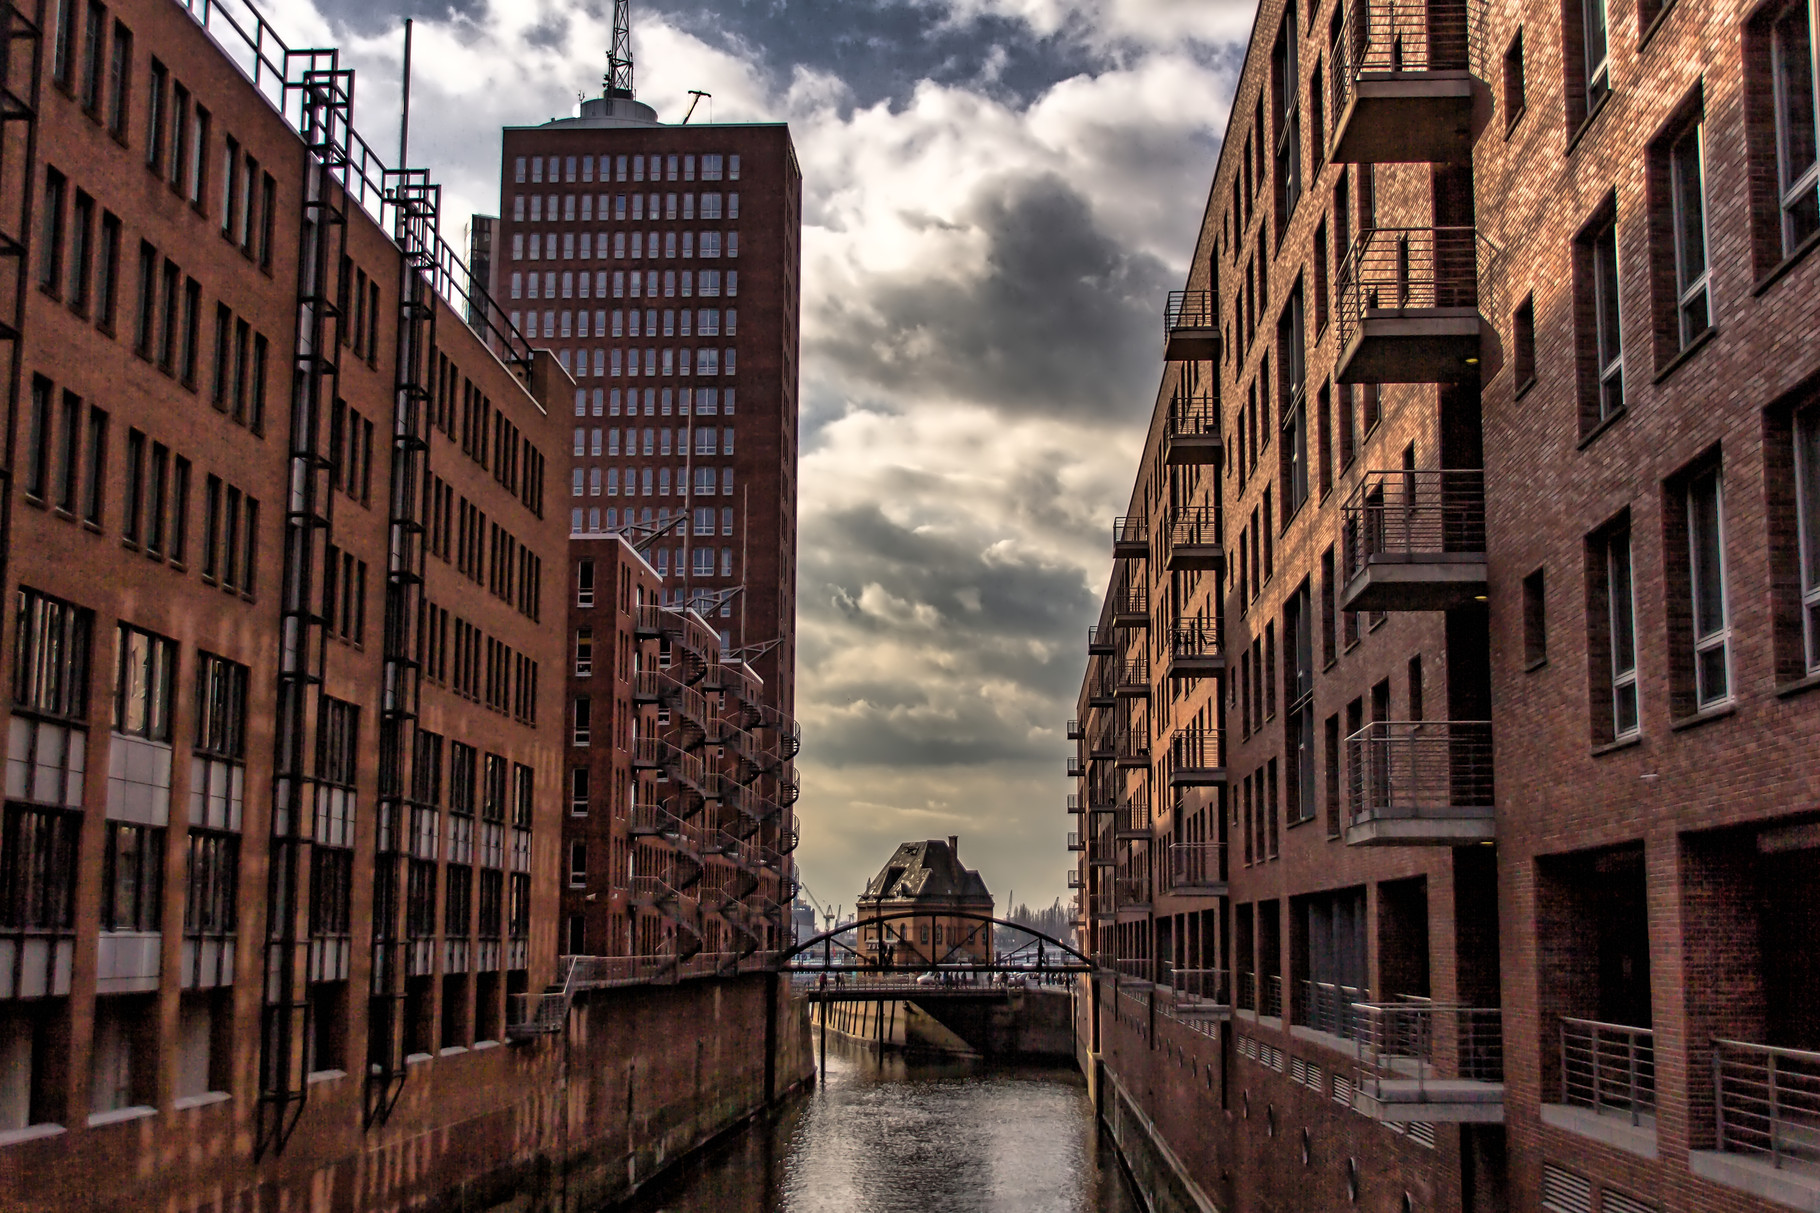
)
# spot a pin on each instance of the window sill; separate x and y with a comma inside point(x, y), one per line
point(317, 1076)
point(452, 1051)
point(1786, 264)
point(1516, 118)
point(1586, 123)
point(485, 1044)
point(120, 1116)
point(1694, 347)
point(1799, 686)
point(1591, 436)
point(1523, 388)
point(13, 1137)
point(1612, 747)
point(1533, 666)
point(200, 1101)
point(1716, 712)
point(418, 1058)
point(1655, 23)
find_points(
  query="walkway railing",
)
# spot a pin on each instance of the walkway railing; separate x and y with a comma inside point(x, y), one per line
point(1768, 1103)
point(1424, 1041)
point(1190, 986)
point(1332, 1008)
point(1610, 1068)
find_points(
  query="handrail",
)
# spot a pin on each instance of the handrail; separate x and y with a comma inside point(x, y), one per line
point(1401, 36)
point(1420, 770)
point(1767, 1102)
point(1606, 1066)
point(1414, 515)
point(1395, 271)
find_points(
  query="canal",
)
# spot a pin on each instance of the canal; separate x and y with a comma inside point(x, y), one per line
point(924, 1136)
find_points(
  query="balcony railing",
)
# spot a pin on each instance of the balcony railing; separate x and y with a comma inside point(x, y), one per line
point(1191, 327)
point(1100, 641)
point(1132, 891)
point(1074, 878)
point(1075, 732)
point(1262, 995)
point(1409, 306)
point(1414, 540)
point(1332, 1007)
point(1416, 782)
point(1075, 841)
point(1133, 747)
point(1194, 539)
point(1191, 434)
point(1130, 537)
point(1077, 767)
point(1192, 986)
point(1133, 678)
point(1197, 757)
point(1131, 606)
point(1401, 81)
point(1768, 1103)
point(1417, 1057)
point(1197, 867)
point(1610, 1068)
point(1137, 968)
point(1195, 650)
point(1132, 819)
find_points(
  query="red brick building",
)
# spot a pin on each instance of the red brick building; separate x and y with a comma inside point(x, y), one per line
point(1446, 746)
point(283, 565)
point(660, 263)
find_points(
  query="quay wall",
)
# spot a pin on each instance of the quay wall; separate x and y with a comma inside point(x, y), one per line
point(644, 1076)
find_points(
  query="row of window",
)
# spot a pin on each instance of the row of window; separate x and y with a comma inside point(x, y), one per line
point(454, 653)
point(623, 284)
point(703, 323)
point(648, 482)
point(708, 441)
point(466, 415)
point(589, 247)
point(568, 208)
point(617, 363)
point(700, 401)
point(671, 167)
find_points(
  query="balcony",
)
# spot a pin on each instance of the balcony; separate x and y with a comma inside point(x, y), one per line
point(1099, 684)
point(1414, 541)
point(1607, 1084)
point(1130, 537)
point(1130, 607)
point(1077, 768)
point(1402, 83)
point(1075, 732)
point(1197, 758)
point(1768, 1105)
point(1195, 651)
point(1099, 642)
point(1132, 819)
point(1191, 431)
point(1133, 893)
point(1075, 841)
point(1201, 991)
point(1191, 327)
point(1133, 749)
point(1331, 1008)
point(1409, 306)
point(1421, 783)
point(1430, 1062)
point(1074, 804)
point(1074, 878)
point(1197, 867)
point(1260, 997)
point(1194, 540)
point(1133, 679)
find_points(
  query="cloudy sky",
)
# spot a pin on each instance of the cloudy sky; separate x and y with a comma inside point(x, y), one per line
point(997, 196)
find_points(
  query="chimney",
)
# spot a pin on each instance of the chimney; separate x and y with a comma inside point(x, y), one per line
point(954, 846)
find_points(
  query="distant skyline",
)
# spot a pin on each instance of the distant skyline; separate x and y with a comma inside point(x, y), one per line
point(997, 196)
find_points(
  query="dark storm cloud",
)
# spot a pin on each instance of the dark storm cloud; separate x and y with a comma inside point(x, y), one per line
point(1062, 320)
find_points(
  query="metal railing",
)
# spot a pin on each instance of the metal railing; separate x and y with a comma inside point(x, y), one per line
point(1395, 271)
point(1332, 1007)
point(1196, 864)
point(1100, 636)
point(1075, 731)
point(1074, 878)
point(1130, 530)
point(1193, 417)
point(1133, 814)
point(1197, 749)
point(1076, 768)
point(1420, 769)
point(1134, 745)
point(1075, 841)
point(1190, 986)
point(1135, 674)
point(1195, 638)
point(1414, 516)
point(1262, 995)
point(1398, 36)
point(1425, 1041)
point(1609, 1068)
point(1131, 599)
point(1191, 310)
point(1194, 526)
point(1132, 890)
point(1137, 968)
point(1767, 1102)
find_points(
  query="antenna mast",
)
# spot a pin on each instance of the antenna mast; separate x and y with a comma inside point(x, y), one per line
point(619, 61)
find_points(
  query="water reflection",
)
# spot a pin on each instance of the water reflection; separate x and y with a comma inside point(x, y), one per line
point(930, 1136)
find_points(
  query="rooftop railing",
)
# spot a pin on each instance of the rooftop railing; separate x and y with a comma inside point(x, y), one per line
point(1414, 516)
point(1610, 1068)
point(1768, 1103)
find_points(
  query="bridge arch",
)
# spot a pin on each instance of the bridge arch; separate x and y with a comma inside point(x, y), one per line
point(829, 937)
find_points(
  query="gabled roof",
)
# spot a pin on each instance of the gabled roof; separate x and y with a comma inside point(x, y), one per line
point(926, 871)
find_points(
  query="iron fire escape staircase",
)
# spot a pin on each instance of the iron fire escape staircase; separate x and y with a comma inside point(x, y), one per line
point(21, 76)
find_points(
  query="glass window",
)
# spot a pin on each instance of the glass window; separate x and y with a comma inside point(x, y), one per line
point(1706, 552)
point(1807, 505)
point(1688, 191)
point(1621, 620)
point(1608, 341)
point(142, 684)
point(1798, 170)
point(1595, 40)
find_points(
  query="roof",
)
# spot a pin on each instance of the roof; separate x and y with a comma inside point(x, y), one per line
point(926, 871)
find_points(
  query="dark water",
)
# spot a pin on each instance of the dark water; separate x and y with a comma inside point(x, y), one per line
point(930, 1136)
